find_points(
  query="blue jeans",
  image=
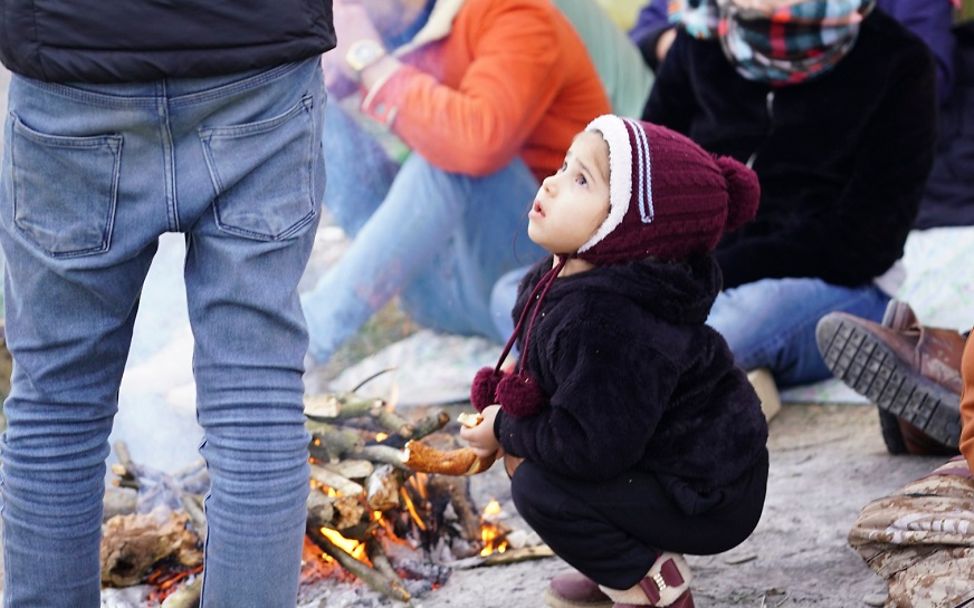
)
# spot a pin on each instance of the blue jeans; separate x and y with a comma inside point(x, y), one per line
point(91, 176)
point(440, 240)
point(771, 323)
point(768, 323)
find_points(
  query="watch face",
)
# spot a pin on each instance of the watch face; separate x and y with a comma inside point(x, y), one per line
point(363, 54)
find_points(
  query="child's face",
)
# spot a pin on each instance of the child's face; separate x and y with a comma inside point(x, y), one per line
point(573, 202)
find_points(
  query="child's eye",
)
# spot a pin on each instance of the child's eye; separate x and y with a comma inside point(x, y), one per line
point(564, 166)
point(580, 180)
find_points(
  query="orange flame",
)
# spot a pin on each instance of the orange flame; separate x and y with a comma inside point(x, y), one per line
point(411, 508)
point(493, 536)
point(419, 482)
point(351, 546)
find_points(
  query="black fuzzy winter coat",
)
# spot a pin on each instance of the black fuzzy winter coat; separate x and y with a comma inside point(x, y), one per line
point(100, 41)
point(842, 159)
point(637, 381)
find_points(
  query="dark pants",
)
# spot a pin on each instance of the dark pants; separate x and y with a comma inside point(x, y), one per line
point(612, 531)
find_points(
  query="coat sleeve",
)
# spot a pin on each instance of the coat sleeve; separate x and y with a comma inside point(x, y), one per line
point(877, 207)
point(652, 21)
point(931, 21)
point(611, 391)
point(480, 126)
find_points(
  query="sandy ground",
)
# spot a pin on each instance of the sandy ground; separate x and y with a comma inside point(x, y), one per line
point(826, 463)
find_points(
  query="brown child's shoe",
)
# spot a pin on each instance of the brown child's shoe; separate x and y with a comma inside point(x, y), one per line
point(666, 584)
point(575, 590)
point(911, 372)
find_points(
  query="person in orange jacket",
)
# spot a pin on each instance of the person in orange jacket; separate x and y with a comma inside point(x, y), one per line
point(967, 404)
point(487, 94)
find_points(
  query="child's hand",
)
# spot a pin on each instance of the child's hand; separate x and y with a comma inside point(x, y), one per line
point(481, 437)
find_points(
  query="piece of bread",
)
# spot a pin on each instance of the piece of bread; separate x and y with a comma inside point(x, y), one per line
point(425, 459)
point(470, 420)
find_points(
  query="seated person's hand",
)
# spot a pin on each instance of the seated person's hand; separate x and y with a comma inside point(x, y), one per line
point(664, 43)
point(481, 437)
point(353, 23)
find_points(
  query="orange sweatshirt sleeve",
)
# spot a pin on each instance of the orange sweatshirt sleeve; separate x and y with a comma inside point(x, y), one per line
point(481, 125)
point(967, 403)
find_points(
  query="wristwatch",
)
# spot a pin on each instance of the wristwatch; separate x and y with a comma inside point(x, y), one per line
point(363, 53)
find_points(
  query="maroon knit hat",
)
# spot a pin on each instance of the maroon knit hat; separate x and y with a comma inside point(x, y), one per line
point(668, 198)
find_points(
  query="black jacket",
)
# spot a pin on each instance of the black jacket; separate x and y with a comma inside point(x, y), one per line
point(135, 40)
point(949, 197)
point(637, 381)
point(841, 159)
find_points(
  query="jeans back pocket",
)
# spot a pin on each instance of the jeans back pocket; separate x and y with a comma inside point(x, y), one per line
point(65, 189)
point(264, 174)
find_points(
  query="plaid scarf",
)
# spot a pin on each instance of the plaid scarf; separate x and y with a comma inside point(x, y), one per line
point(698, 17)
point(788, 42)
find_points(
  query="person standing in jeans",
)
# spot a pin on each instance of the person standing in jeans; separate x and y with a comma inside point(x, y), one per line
point(128, 120)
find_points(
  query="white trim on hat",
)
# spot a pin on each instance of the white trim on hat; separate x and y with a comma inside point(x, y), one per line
point(616, 135)
point(645, 168)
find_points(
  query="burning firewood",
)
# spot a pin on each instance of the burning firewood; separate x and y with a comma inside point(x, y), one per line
point(350, 468)
point(382, 488)
point(334, 480)
point(456, 492)
point(118, 501)
point(368, 494)
point(133, 544)
point(372, 577)
point(187, 596)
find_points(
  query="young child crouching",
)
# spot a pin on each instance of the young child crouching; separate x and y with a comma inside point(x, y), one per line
point(637, 438)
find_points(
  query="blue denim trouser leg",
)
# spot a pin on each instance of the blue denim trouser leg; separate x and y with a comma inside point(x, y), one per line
point(439, 239)
point(91, 176)
point(502, 300)
point(771, 323)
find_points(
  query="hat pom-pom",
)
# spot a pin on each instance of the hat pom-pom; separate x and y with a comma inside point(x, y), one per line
point(483, 391)
point(520, 395)
point(743, 189)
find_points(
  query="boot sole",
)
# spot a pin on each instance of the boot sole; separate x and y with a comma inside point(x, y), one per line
point(552, 600)
point(872, 369)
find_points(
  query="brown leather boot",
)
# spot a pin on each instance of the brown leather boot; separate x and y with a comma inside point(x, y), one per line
point(575, 590)
point(909, 371)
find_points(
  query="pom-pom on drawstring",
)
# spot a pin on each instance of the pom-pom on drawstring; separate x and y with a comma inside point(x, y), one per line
point(518, 394)
point(483, 391)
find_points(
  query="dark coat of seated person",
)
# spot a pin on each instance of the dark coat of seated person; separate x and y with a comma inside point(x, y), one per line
point(842, 158)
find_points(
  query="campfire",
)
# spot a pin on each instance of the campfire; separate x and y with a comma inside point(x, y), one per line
point(372, 515)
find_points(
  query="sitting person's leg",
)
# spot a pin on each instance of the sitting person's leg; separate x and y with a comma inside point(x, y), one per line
point(359, 172)
point(502, 299)
point(455, 292)
point(920, 539)
point(432, 238)
point(771, 323)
